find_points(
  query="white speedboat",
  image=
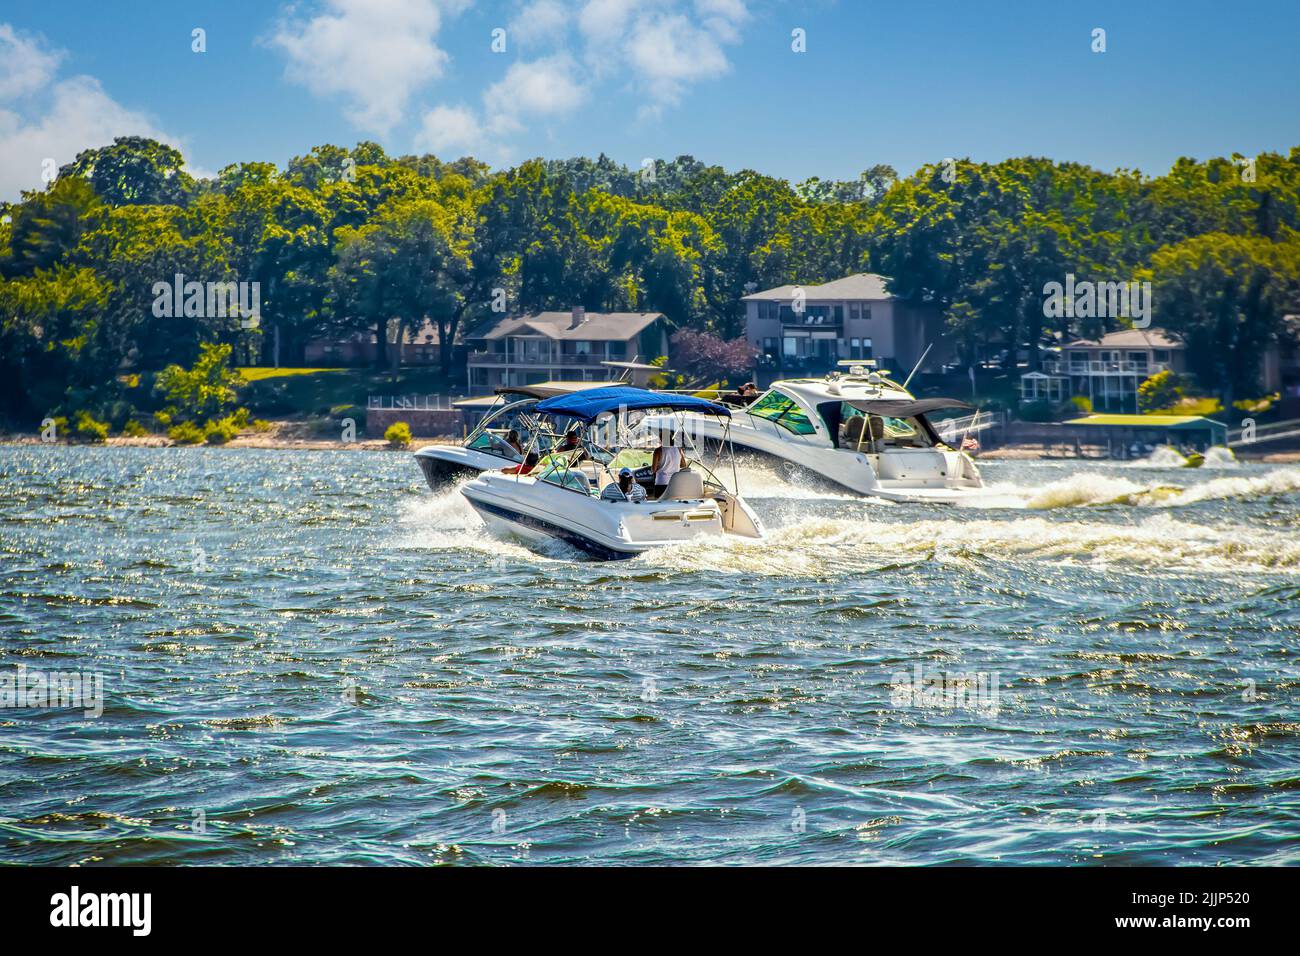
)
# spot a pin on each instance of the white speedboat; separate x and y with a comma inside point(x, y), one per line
point(560, 499)
point(858, 430)
point(488, 446)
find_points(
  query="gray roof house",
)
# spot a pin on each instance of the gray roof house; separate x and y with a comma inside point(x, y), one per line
point(561, 346)
point(806, 330)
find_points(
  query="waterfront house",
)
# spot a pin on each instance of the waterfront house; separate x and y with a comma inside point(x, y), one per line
point(806, 330)
point(568, 346)
point(1107, 371)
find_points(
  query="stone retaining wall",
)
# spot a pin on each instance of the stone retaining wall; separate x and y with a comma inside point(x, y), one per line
point(426, 423)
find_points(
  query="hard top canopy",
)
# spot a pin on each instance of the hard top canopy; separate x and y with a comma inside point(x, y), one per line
point(903, 407)
point(590, 403)
point(549, 389)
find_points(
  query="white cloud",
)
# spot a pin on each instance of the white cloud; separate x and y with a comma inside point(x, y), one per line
point(604, 21)
point(547, 87)
point(668, 52)
point(534, 90)
point(379, 55)
point(25, 66)
point(540, 20)
point(63, 117)
point(446, 129)
point(666, 45)
point(374, 53)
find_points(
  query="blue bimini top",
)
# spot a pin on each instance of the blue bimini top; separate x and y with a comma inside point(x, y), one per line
point(590, 403)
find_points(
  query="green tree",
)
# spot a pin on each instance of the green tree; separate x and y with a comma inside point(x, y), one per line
point(1227, 296)
point(1161, 390)
point(134, 170)
point(205, 391)
point(410, 263)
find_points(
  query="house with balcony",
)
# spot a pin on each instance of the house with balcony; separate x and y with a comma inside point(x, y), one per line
point(561, 346)
point(806, 330)
point(1107, 370)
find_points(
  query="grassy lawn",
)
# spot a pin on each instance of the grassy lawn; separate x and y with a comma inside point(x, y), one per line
point(261, 373)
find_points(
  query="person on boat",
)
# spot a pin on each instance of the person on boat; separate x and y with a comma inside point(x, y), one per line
point(667, 461)
point(625, 489)
point(571, 446)
point(742, 396)
point(529, 463)
point(512, 439)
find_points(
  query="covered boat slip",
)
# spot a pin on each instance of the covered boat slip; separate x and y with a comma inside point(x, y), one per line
point(1119, 432)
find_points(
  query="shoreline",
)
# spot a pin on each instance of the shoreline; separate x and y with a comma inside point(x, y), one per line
point(288, 442)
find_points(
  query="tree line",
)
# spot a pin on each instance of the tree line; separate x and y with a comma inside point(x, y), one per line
point(345, 241)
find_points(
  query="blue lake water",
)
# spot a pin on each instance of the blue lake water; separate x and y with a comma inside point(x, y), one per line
point(309, 658)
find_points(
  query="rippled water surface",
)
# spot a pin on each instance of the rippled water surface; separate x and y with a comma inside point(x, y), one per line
point(309, 658)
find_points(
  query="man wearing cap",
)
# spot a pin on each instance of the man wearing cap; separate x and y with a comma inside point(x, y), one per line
point(625, 489)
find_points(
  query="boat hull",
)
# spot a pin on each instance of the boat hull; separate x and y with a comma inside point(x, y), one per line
point(537, 511)
point(445, 465)
point(920, 475)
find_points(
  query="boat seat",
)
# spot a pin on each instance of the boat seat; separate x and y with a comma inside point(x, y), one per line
point(684, 485)
point(872, 425)
point(853, 430)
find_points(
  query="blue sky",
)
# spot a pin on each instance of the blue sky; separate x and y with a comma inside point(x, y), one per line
point(897, 83)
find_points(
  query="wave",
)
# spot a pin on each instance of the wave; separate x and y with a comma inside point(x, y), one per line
point(1217, 456)
point(445, 521)
point(814, 547)
point(1096, 489)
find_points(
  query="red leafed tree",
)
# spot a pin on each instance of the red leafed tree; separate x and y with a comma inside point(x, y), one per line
point(704, 356)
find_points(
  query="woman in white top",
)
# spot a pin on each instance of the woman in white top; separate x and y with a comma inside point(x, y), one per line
point(667, 461)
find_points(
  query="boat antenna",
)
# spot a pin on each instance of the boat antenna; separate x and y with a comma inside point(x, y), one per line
point(917, 365)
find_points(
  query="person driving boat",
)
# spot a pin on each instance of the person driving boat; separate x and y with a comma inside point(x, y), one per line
point(625, 489)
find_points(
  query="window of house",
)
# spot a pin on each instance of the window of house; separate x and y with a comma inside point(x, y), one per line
point(866, 311)
point(859, 348)
point(855, 310)
point(790, 347)
point(1161, 355)
point(582, 348)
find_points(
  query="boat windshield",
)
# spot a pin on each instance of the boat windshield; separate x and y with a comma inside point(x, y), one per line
point(783, 410)
point(559, 473)
point(494, 430)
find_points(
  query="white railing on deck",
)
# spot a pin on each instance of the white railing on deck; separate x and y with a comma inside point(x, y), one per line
point(412, 403)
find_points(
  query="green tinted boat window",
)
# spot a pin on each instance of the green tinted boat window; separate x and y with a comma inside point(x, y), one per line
point(771, 406)
point(775, 407)
point(796, 419)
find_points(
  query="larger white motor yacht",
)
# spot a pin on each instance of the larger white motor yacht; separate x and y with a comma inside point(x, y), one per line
point(858, 430)
point(560, 497)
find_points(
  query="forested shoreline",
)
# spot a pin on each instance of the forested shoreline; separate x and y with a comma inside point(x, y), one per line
point(349, 240)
